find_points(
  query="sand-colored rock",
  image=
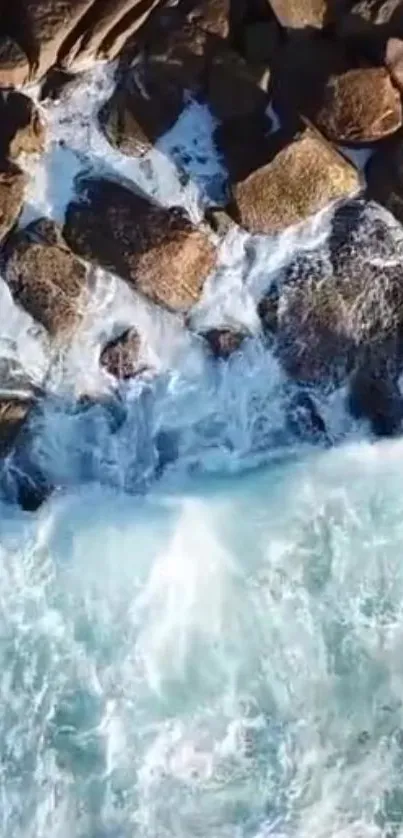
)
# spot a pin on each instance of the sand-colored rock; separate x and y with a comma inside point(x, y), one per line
point(158, 251)
point(45, 277)
point(297, 14)
point(361, 105)
point(14, 64)
point(120, 356)
point(301, 179)
point(12, 187)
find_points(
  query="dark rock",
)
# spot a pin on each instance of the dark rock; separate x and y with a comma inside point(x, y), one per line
point(303, 178)
point(361, 105)
point(120, 357)
point(304, 419)
point(341, 311)
point(369, 24)
point(216, 16)
point(261, 42)
point(268, 311)
point(245, 144)
point(12, 187)
point(232, 91)
point(45, 277)
point(224, 342)
point(57, 82)
point(158, 251)
point(22, 129)
point(376, 397)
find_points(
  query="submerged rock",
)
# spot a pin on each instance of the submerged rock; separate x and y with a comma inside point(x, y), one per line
point(376, 397)
point(120, 357)
point(301, 179)
point(21, 127)
point(12, 187)
point(304, 419)
point(158, 251)
point(45, 277)
point(224, 342)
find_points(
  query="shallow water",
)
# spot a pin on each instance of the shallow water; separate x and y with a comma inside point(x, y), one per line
point(200, 635)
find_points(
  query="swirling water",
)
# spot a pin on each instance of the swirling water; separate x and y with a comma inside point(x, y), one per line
point(201, 634)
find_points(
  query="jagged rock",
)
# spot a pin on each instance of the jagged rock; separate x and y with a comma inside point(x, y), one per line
point(120, 357)
point(216, 16)
point(14, 64)
point(12, 187)
point(297, 14)
point(105, 29)
point(13, 413)
point(22, 129)
point(341, 311)
point(45, 277)
point(384, 176)
point(224, 342)
point(57, 82)
point(301, 179)
point(361, 105)
point(158, 251)
point(304, 419)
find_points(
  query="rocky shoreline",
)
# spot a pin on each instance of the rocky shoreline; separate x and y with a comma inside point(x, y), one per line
point(294, 89)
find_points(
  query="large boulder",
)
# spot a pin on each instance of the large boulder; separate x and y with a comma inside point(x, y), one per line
point(369, 23)
point(301, 179)
point(45, 277)
point(21, 127)
point(158, 251)
point(385, 177)
point(360, 105)
point(340, 311)
point(12, 187)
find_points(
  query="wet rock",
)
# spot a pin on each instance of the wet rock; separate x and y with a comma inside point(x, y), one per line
point(301, 179)
point(268, 311)
point(120, 357)
point(45, 277)
point(261, 41)
point(12, 188)
point(232, 91)
point(22, 129)
point(216, 16)
point(158, 251)
point(304, 419)
point(384, 175)
point(224, 342)
point(341, 311)
point(376, 397)
point(297, 14)
point(245, 144)
point(369, 23)
point(14, 64)
point(57, 82)
point(361, 105)
point(13, 414)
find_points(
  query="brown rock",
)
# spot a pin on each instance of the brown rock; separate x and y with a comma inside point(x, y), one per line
point(361, 105)
point(297, 14)
point(232, 90)
point(215, 15)
point(224, 342)
point(45, 277)
point(22, 129)
point(13, 414)
point(14, 65)
point(157, 251)
point(303, 178)
point(394, 60)
point(120, 357)
point(12, 187)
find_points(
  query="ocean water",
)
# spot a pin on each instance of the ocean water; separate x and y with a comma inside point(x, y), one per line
point(201, 632)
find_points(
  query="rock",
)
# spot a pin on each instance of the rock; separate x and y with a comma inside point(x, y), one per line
point(341, 311)
point(105, 29)
point(244, 144)
point(14, 64)
point(45, 277)
point(120, 357)
point(361, 105)
point(394, 60)
point(377, 398)
point(232, 91)
point(22, 129)
point(369, 23)
point(301, 179)
point(13, 414)
point(298, 14)
point(216, 16)
point(158, 251)
point(57, 82)
point(12, 188)
point(223, 342)
point(261, 41)
point(304, 419)
point(384, 175)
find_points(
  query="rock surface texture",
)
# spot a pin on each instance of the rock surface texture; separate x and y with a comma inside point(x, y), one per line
point(158, 251)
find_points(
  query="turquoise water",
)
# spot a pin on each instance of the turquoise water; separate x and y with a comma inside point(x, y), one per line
point(223, 660)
